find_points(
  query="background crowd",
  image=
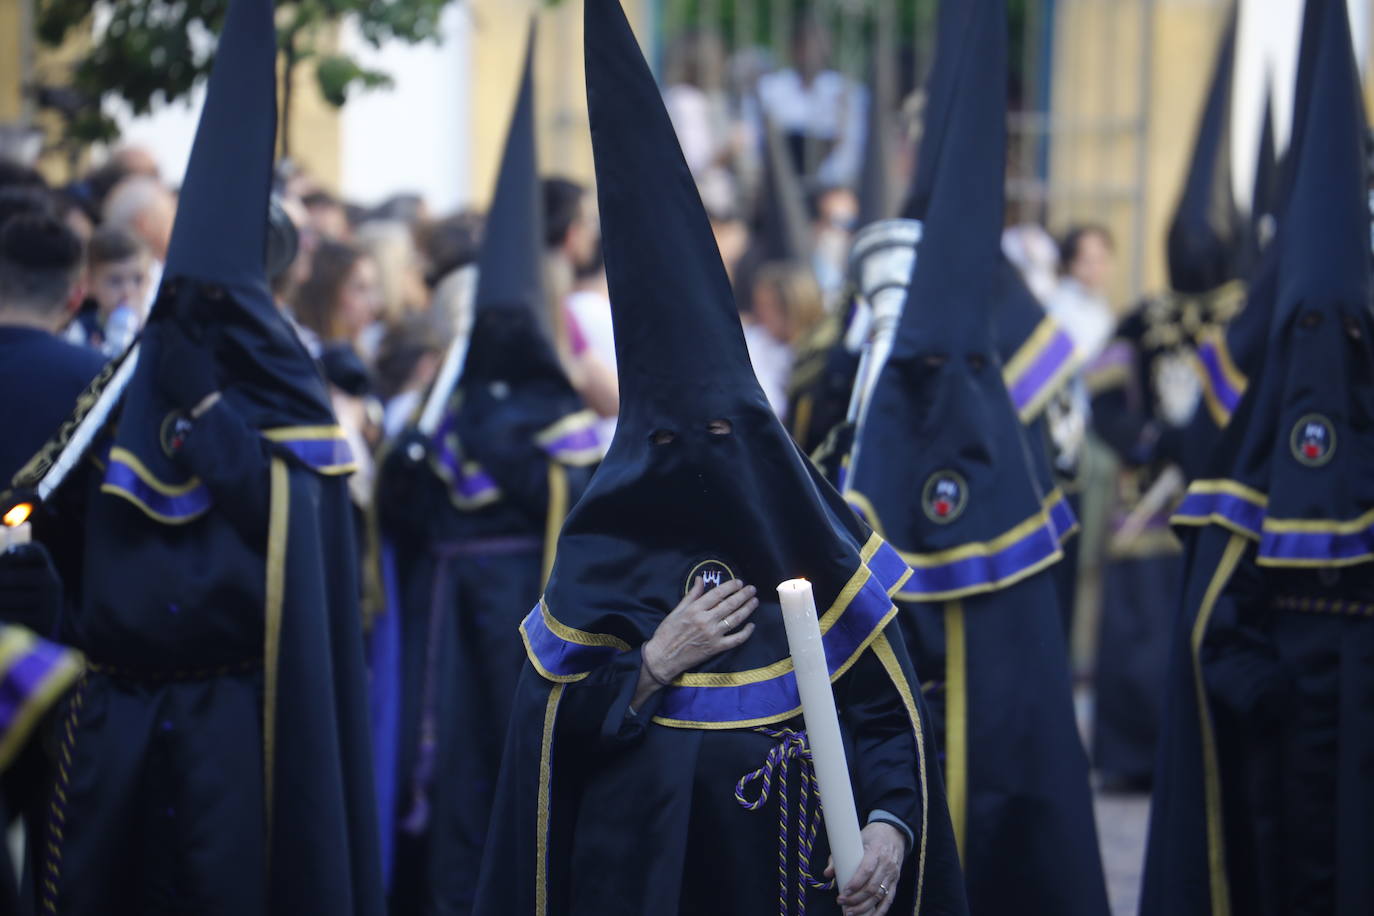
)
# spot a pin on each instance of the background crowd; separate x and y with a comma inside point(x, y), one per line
point(377, 293)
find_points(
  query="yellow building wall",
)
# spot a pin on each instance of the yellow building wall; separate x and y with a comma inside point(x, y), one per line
point(498, 47)
point(11, 76)
point(1104, 123)
point(314, 124)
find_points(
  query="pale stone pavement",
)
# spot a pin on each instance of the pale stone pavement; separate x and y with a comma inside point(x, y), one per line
point(1121, 824)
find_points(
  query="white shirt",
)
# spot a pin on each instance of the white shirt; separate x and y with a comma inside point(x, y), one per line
point(1086, 317)
point(833, 107)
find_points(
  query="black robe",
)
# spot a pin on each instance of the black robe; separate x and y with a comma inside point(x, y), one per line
point(1146, 391)
point(215, 755)
point(998, 686)
point(469, 547)
point(604, 811)
point(1263, 803)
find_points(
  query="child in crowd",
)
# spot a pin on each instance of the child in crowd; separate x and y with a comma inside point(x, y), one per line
point(116, 288)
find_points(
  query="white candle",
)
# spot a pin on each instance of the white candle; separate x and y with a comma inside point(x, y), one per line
point(822, 726)
point(14, 536)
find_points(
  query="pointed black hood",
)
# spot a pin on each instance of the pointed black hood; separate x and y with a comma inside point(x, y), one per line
point(1264, 196)
point(512, 388)
point(1231, 357)
point(509, 341)
point(939, 106)
point(214, 286)
point(1300, 444)
point(673, 499)
point(1038, 354)
point(943, 460)
point(1206, 235)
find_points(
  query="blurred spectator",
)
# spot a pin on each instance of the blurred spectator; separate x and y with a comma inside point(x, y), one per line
point(408, 358)
point(590, 305)
point(328, 217)
point(732, 238)
point(286, 284)
point(570, 233)
point(589, 314)
point(1079, 303)
point(143, 207)
point(787, 305)
point(1035, 254)
point(41, 377)
point(1088, 256)
point(341, 298)
point(823, 113)
point(402, 208)
point(74, 212)
point(18, 200)
point(136, 160)
point(452, 302)
point(40, 374)
point(116, 288)
point(17, 175)
point(451, 243)
point(572, 243)
point(338, 303)
point(700, 112)
point(834, 212)
point(400, 276)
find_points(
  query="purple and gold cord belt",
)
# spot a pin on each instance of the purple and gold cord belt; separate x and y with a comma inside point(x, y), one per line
point(792, 746)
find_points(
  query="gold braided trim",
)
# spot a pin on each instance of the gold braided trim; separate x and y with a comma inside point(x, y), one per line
point(57, 806)
point(956, 723)
point(544, 812)
point(1211, 769)
point(883, 650)
point(1324, 606)
point(277, 528)
point(553, 522)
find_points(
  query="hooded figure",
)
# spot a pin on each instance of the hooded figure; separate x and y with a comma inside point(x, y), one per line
point(1228, 357)
point(1264, 804)
point(1037, 354)
point(636, 778)
point(215, 754)
point(1264, 195)
point(1145, 392)
point(944, 470)
point(470, 511)
point(1145, 388)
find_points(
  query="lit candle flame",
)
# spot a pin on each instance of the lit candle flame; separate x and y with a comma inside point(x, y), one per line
point(18, 515)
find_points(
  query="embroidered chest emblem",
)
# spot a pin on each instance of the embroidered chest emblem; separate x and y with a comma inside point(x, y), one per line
point(711, 573)
point(172, 434)
point(1313, 440)
point(944, 497)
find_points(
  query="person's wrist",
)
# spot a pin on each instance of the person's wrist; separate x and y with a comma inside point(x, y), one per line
point(662, 679)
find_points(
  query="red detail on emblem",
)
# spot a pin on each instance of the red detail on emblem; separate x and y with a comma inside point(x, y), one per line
point(942, 507)
point(1312, 450)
